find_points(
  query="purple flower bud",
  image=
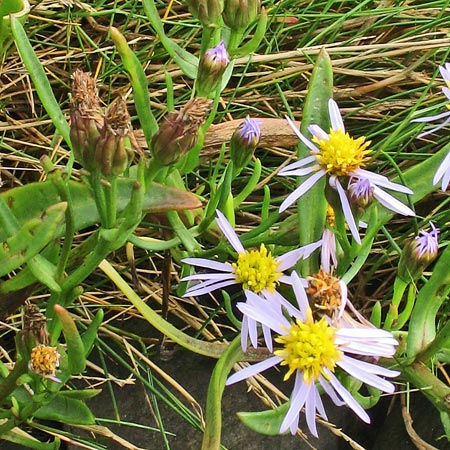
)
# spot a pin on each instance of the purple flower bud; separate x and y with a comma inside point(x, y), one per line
point(360, 191)
point(418, 254)
point(244, 141)
point(211, 67)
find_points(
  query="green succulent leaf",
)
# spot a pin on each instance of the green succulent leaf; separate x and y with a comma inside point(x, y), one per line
point(265, 422)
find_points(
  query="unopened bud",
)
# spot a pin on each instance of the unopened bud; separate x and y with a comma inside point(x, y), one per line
point(207, 12)
point(239, 14)
point(211, 67)
point(418, 254)
point(361, 192)
point(114, 150)
point(86, 119)
point(244, 141)
point(179, 132)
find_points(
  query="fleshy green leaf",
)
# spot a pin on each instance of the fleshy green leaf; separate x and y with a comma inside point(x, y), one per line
point(66, 410)
point(265, 422)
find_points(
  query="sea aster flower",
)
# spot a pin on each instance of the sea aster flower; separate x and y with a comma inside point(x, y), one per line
point(256, 270)
point(312, 350)
point(443, 172)
point(44, 361)
point(445, 72)
point(335, 155)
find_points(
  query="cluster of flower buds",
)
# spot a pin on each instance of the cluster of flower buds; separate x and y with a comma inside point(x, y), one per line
point(211, 67)
point(101, 142)
point(207, 12)
point(179, 132)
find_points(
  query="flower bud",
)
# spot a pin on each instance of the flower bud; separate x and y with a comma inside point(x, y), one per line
point(211, 67)
point(244, 141)
point(207, 12)
point(179, 132)
point(86, 119)
point(418, 254)
point(239, 14)
point(361, 192)
point(114, 149)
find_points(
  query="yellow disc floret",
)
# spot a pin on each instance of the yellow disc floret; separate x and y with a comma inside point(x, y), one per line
point(44, 360)
point(341, 154)
point(310, 348)
point(257, 270)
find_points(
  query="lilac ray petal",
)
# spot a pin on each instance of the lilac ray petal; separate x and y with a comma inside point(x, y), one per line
point(229, 233)
point(302, 189)
point(310, 412)
point(298, 164)
point(210, 276)
point(215, 265)
point(297, 402)
point(267, 338)
point(269, 316)
point(298, 172)
point(367, 377)
point(432, 118)
point(445, 180)
point(437, 128)
point(253, 370)
point(300, 295)
point(307, 142)
point(349, 400)
point(445, 71)
point(253, 332)
point(381, 180)
point(319, 406)
point(335, 116)
point(346, 209)
point(373, 368)
point(244, 334)
point(318, 133)
point(392, 203)
point(291, 258)
point(344, 298)
point(277, 298)
point(442, 169)
point(330, 391)
point(446, 91)
point(205, 288)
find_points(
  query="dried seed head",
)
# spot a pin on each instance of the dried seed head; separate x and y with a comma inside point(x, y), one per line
point(325, 292)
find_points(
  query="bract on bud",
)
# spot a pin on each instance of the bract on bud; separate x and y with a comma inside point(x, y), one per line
point(207, 12)
point(211, 67)
point(361, 192)
point(179, 132)
point(114, 150)
point(244, 141)
point(239, 14)
point(86, 119)
point(418, 254)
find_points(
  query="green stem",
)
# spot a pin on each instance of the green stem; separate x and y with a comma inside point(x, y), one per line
point(399, 290)
point(250, 187)
point(211, 349)
point(189, 242)
point(233, 354)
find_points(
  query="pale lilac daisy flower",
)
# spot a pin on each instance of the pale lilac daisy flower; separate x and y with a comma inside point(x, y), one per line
point(336, 154)
point(426, 244)
point(256, 270)
point(443, 172)
point(312, 350)
point(445, 72)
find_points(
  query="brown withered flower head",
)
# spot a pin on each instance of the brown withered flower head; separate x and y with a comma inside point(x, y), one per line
point(327, 293)
point(86, 117)
point(179, 132)
point(115, 147)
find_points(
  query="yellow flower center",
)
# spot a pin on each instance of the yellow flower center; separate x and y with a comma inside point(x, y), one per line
point(341, 154)
point(331, 217)
point(310, 348)
point(324, 290)
point(257, 270)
